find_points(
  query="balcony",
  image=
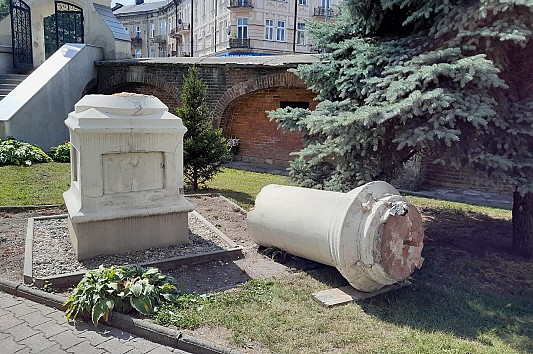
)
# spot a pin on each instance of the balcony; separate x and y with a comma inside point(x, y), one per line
point(159, 39)
point(325, 12)
point(239, 43)
point(136, 41)
point(239, 4)
point(180, 30)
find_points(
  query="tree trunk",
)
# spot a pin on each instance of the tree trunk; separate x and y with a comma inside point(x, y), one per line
point(523, 224)
point(195, 180)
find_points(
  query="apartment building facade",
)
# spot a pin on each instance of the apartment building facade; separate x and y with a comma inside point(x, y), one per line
point(147, 25)
point(223, 27)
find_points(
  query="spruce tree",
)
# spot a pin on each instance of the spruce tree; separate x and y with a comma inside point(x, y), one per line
point(204, 148)
point(450, 79)
point(4, 9)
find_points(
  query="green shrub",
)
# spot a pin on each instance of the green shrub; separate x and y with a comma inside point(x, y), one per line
point(205, 150)
point(18, 152)
point(122, 289)
point(61, 153)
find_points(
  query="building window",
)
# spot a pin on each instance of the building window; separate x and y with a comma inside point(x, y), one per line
point(280, 31)
point(269, 29)
point(152, 30)
point(325, 4)
point(163, 28)
point(293, 104)
point(152, 52)
point(226, 30)
point(137, 31)
point(138, 53)
point(242, 27)
point(302, 2)
point(300, 34)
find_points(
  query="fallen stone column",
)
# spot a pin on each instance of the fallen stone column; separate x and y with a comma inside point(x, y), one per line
point(372, 235)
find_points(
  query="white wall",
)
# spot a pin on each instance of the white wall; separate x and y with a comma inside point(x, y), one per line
point(36, 109)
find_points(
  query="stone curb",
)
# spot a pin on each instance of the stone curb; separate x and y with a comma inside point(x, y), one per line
point(19, 208)
point(150, 331)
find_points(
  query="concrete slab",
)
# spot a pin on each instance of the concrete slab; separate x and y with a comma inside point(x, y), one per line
point(346, 294)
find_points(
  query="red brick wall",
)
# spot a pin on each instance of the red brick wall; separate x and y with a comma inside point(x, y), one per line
point(465, 178)
point(260, 139)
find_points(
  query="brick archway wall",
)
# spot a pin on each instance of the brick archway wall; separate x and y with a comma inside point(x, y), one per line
point(285, 79)
point(261, 141)
point(143, 83)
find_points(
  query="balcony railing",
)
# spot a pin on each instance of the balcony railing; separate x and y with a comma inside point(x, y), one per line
point(239, 42)
point(321, 11)
point(136, 41)
point(181, 29)
point(159, 39)
point(239, 4)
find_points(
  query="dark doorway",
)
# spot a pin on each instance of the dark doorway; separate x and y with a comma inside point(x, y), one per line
point(21, 35)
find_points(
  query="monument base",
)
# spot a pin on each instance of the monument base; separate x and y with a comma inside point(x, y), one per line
point(121, 235)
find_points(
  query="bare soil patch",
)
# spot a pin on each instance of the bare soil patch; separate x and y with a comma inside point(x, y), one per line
point(201, 278)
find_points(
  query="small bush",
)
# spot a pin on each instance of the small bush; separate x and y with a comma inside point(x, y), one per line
point(120, 288)
point(18, 152)
point(61, 153)
point(205, 150)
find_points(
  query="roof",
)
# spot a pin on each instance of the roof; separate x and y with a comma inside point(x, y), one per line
point(119, 32)
point(145, 7)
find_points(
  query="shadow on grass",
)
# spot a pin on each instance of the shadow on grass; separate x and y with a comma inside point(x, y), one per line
point(245, 200)
point(471, 285)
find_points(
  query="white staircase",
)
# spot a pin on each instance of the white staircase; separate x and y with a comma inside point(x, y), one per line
point(8, 82)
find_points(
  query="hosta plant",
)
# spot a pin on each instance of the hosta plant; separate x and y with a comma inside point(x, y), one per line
point(122, 289)
point(61, 153)
point(18, 152)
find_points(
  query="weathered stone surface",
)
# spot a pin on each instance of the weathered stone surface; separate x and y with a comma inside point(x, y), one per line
point(372, 235)
point(127, 176)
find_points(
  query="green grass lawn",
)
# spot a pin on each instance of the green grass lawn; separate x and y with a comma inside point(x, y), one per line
point(43, 184)
point(39, 184)
point(243, 186)
point(471, 296)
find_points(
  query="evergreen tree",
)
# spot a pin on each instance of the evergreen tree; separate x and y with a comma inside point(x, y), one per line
point(450, 79)
point(4, 9)
point(204, 148)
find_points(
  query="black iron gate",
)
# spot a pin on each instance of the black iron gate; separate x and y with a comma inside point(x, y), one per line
point(65, 26)
point(21, 35)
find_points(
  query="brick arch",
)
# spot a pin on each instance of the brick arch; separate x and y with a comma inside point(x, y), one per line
point(261, 140)
point(119, 80)
point(285, 79)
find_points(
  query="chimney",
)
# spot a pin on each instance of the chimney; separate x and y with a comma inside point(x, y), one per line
point(139, 2)
point(117, 6)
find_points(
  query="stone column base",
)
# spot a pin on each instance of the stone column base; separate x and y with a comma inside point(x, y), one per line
point(121, 235)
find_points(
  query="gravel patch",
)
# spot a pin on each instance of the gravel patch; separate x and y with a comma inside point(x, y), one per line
point(53, 253)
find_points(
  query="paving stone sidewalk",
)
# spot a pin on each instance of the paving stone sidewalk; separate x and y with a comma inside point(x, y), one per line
point(29, 327)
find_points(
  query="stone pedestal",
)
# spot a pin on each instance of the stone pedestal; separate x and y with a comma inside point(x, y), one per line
point(126, 176)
